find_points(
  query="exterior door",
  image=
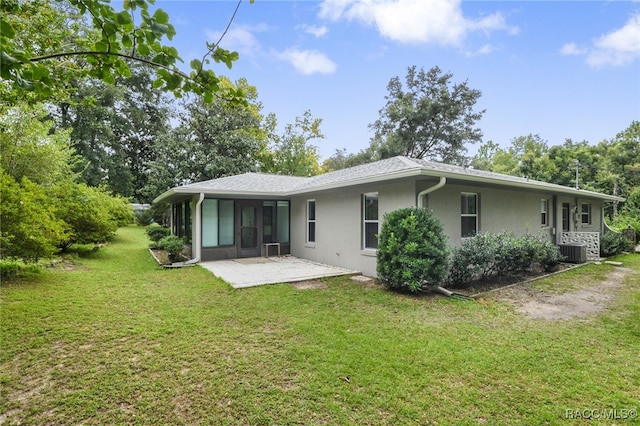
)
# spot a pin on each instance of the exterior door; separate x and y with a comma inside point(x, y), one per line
point(248, 228)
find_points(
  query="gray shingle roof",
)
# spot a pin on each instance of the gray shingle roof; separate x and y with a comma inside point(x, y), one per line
point(392, 168)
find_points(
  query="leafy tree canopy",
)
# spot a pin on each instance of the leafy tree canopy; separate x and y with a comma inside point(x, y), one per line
point(114, 129)
point(38, 48)
point(291, 153)
point(212, 140)
point(427, 117)
point(612, 166)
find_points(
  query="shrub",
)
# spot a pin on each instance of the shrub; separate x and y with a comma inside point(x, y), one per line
point(30, 229)
point(119, 209)
point(13, 269)
point(412, 250)
point(546, 253)
point(157, 232)
point(88, 212)
point(173, 245)
point(624, 221)
point(612, 243)
point(144, 217)
point(486, 255)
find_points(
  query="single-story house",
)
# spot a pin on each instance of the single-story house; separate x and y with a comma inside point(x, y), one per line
point(334, 218)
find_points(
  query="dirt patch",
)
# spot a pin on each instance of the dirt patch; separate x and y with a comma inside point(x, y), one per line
point(366, 282)
point(65, 264)
point(309, 285)
point(588, 300)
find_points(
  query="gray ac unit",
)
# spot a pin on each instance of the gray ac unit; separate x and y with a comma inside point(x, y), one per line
point(574, 252)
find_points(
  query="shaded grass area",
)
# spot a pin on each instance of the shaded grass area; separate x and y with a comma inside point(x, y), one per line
point(117, 340)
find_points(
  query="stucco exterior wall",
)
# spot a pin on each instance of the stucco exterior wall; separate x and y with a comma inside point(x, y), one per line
point(339, 227)
point(499, 210)
point(575, 219)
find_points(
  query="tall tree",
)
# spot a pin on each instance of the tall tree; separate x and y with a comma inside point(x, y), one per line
point(212, 140)
point(292, 152)
point(427, 117)
point(114, 129)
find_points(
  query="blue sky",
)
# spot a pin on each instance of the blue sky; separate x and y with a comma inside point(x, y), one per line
point(560, 69)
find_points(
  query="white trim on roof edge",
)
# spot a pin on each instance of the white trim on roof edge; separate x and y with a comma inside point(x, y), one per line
point(414, 168)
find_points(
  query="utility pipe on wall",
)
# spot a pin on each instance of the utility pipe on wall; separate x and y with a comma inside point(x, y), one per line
point(421, 194)
point(197, 241)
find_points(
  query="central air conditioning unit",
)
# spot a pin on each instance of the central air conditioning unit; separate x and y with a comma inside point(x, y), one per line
point(574, 252)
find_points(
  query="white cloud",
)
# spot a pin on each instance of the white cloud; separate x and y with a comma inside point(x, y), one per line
point(308, 61)
point(620, 47)
point(414, 21)
point(572, 49)
point(239, 38)
point(314, 30)
point(617, 48)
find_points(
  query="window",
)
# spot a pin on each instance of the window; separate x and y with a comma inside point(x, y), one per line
point(566, 213)
point(585, 213)
point(370, 221)
point(311, 221)
point(217, 223)
point(275, 220)
point(469, 214)
point(544, 212)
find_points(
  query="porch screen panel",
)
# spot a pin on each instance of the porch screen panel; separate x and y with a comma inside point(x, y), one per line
point(225, 214)
point(283, 221)
point(269, 222)
point(210, 223)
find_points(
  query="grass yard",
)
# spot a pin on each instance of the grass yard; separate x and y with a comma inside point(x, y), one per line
point(117, 340)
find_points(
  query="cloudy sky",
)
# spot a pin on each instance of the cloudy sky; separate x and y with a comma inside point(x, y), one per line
point(559, 69)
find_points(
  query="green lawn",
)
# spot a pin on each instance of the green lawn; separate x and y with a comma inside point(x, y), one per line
point(118, 340)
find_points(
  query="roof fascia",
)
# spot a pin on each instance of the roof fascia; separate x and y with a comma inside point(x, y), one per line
point(175, 192)
point(528, 185)
point(357, 181)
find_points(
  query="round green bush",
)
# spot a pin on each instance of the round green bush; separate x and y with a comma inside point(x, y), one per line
point(173, 245)
point(412, 250)
point(157, 232)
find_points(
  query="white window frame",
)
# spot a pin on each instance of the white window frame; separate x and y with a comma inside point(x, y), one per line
point(587, 214)
point(544, 212)
point(311, 221)
point(366, 221)
point(475, 215)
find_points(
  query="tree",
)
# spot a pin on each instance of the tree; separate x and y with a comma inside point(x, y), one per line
point(526, 157)
point(29, 148)
point(131, 35)
point(43, 208)
point(114, 128)
point(428, 117)
point(212, 141)
point(291, 153)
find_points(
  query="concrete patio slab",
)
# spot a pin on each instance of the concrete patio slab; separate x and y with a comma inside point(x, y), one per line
point(251, 272)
